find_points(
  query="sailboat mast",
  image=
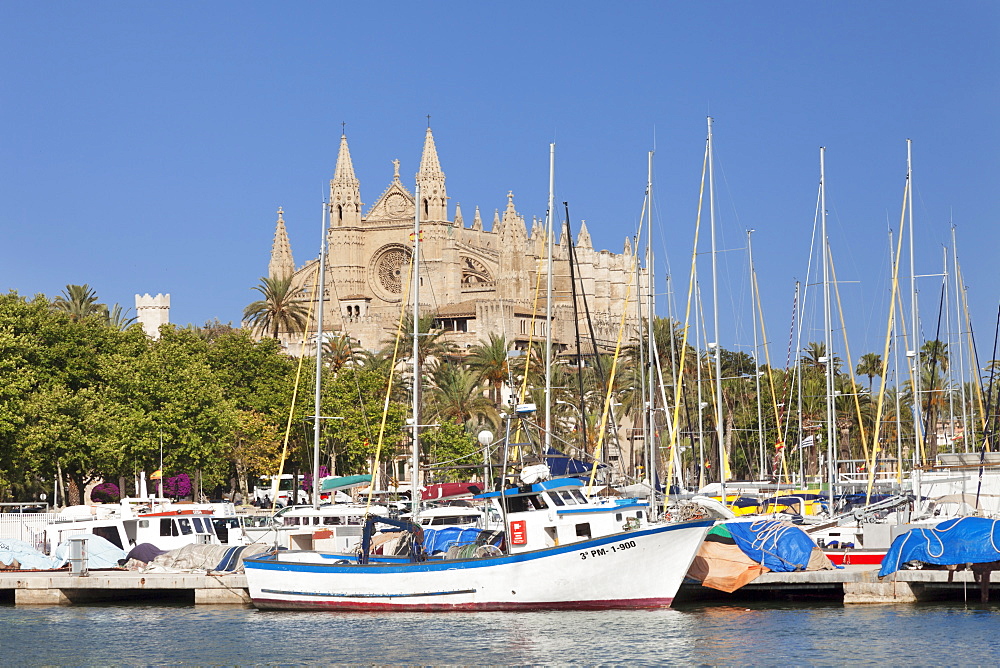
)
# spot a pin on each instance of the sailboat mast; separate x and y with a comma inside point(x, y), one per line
point(320, 290)
point(831, 417)
point(960, 332)
point(756, 361)
point(715, 308)
point(414, 271)
point(550, 244)
point(918, 418)
point(649, 427)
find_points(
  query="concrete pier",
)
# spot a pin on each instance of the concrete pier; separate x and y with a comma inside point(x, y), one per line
point(850, 585)
point(62, 588)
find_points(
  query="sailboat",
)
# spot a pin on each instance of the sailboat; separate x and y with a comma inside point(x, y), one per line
point(558, 550)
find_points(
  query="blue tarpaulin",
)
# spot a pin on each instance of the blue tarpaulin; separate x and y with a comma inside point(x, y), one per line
point(439, 540)
point(964, 540)
point(777, 546)
point(561, 464)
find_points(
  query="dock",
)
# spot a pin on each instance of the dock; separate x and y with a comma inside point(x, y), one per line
point(850, 585)
point(853, 585)
point(64, 588)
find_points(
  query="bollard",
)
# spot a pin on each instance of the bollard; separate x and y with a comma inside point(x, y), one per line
point(78, 556)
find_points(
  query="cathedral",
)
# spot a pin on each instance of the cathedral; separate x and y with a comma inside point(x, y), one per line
point(474, 281)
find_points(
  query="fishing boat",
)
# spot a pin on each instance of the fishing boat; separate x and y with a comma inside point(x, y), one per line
point(560, 551)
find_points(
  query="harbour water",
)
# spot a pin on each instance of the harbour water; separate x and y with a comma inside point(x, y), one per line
point(762, 634)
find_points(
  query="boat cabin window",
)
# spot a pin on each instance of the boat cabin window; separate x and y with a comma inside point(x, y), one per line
point(618, 517)
point(567, 497)
point(185, 525)
point(109, 534)
point(332, 520)
point(521, 504)
point(168, 528)
point(198, 526)
point(355, 520)
point(143, 524)
point(583, 530)
point(451, 520)
point(578, 495)
point(556, 499)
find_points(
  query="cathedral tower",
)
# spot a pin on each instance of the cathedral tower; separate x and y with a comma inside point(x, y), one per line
point(281, 265)
point(430, 178)
point(345, 191)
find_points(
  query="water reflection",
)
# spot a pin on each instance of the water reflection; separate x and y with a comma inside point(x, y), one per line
point(708, 635)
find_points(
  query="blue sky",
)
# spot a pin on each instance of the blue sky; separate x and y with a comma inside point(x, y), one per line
point(145, 147)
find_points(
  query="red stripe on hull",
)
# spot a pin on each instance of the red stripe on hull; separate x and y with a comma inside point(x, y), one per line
point(359, 606)
point(857, 557)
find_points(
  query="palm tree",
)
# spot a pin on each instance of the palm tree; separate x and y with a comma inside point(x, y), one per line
point(78, 302)
point(814, 352)
point(119, 319)
point(490, 359)
point(869, 365)
point(456, 394)
point(338, 352)
point(280, 309)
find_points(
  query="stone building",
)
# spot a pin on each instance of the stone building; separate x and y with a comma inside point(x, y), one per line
point(475, 281)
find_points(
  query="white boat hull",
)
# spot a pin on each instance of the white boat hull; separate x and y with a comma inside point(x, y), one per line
point(642, 568)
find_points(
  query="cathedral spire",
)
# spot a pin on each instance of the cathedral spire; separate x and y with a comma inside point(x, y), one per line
point(281, 265)
point(583, 238)
point(477, 221)
point(434, 198)
point(459, 222)
point(345, 191)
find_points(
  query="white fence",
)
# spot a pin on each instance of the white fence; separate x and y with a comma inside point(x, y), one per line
point(27, 527)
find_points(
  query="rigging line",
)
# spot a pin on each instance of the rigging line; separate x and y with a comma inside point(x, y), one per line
point(354, 373)
point(890, 328)
point(576, 326)
point(590, 322)
point(973, 352)
point(930, 375)
point(779, 446)
point(850, 361)
point(295, 391)
point(991, 419)
point(404, 302)
point(611, 378)
point(678, 394)
point(531, 338)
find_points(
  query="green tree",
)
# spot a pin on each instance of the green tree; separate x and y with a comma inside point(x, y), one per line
point(869, 365)
point(78, 302)
point(490, 359)
point(450, 443)
point(281, 308)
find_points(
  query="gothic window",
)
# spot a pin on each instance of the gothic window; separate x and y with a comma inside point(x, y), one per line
point(474, 273)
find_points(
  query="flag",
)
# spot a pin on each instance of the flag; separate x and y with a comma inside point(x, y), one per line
point(156, 475)
point(807, 442)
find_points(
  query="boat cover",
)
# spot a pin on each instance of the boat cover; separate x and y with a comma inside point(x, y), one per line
point(344, 482)
point(446, 490)
point(560, 463)
point(19, 555)
point(780, 547)
point(437, 541)
point(101, 553)
point(963, 540)
point(145, 552)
